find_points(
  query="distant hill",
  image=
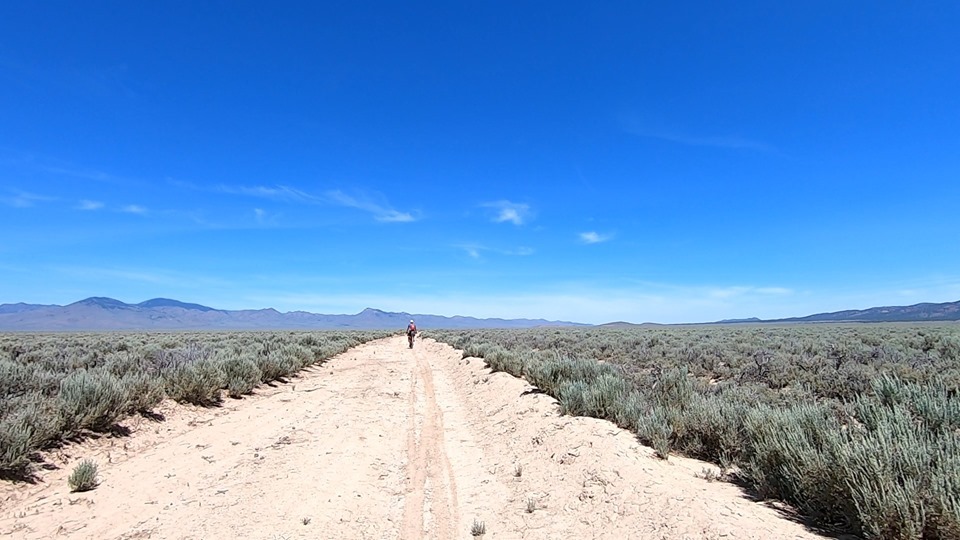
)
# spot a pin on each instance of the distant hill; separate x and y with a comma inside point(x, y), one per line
point(949, 311)
point(166, 302)
point(20, 307)
point(100, 313)
point(624, 324)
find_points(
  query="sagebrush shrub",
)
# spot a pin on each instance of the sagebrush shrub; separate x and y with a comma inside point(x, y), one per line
point(84, 476)
point(630, 409)
point(276, 365)
point(198, 383)
point(143, 392)
point(91, 399)
point(30, 422)
point(654, 430)
point(570, 395)
point(241, 372)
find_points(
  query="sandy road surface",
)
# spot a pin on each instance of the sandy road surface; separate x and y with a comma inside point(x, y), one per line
point(384, 442)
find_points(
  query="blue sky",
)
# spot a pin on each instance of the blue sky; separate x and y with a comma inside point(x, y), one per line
point(669, 162)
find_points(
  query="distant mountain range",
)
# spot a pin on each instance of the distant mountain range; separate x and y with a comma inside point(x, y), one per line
point(100, 313)
point(948, 311)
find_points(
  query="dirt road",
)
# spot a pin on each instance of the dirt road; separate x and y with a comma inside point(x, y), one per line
point(384, 442)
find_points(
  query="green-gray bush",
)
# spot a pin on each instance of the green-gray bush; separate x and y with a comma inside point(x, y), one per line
point(91, 399)
point(26, 424)
point(276, 365)
point(84, 476)
point(655, 430)
point(242, 374)
point(198, 382)
point(600, 398)
point(143, 392)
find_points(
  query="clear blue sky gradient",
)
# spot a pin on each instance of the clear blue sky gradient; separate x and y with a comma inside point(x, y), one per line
point(669, 162)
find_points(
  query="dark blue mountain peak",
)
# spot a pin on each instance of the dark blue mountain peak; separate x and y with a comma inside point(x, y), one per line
point(167, 302)
point(103, 302)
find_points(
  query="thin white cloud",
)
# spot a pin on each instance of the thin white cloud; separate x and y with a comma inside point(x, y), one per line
point(23, 199)
point(265, 218)
point(96, 176)
point(277, 193)
point(89, 205)
point(144, 283)
point(476, 251)
point(393, 216)
point(134, 209)
point(729, 142)
point(739, 291)
point(380, 209)
point(375, 203)
point(593, 237)
point(773, 290)
point(509, 212)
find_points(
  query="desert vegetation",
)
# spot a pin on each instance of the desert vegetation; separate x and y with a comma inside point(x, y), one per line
point(84, 476)
point(55, 387)
point(857, 426)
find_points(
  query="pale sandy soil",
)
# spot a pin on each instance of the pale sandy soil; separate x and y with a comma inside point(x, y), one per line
point(384, 442)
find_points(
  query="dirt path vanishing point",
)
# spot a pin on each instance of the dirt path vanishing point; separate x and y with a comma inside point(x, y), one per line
point(384, 442)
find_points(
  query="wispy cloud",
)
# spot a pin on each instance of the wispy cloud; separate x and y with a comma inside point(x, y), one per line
point(507, 211)
point(773, 290)
point(23, 199)
point(472, 251)
point(134, 209)
point(49, 165)
point(173, 279)
point(375, 204)
point(89, 205)
point(265, 218)
point(729, 142)
point(723, 293)
point(380, 210)
point(476, 251)
point(86, 174)
point(277, 193)
point(593, 237)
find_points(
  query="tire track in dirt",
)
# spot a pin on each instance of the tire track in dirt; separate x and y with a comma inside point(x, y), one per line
point(431, 507)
